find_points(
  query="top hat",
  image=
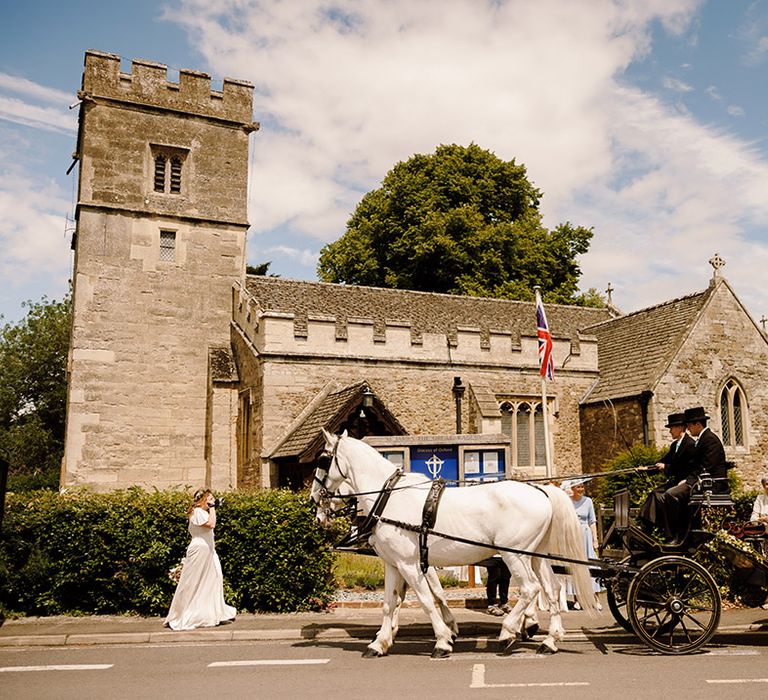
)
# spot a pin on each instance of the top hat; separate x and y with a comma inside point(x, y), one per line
point(695, 415)
point(675, 419)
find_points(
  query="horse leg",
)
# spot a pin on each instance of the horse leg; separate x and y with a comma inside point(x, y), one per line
point(400, 592)
point(550, 588)
point(420, 585)
point(530, 624)
point(394, 590)
point(521, 571)
point(439, 596)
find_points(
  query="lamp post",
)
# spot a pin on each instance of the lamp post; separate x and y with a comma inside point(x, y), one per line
point(458, 392)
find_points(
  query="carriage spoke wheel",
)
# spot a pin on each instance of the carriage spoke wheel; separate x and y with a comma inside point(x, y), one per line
point(673, 605)
point(616, 595)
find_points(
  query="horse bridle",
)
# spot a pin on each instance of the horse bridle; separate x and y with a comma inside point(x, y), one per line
point(322, 500)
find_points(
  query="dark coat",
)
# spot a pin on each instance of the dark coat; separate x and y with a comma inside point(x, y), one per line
point(709, 456)
point(678, 464)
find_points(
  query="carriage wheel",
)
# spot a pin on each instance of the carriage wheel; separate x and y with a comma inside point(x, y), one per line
point(673, 604)
point(616, 595)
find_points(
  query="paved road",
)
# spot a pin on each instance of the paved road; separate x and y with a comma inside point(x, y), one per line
point(603, 665)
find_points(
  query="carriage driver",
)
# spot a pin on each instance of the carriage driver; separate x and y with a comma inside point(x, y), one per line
point(708, 456)
point(661, 506)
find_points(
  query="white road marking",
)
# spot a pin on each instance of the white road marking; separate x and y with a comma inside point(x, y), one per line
point(732, 652)
point(478, 681)
point(56, 667)
point(269, 662)
point(738, 680)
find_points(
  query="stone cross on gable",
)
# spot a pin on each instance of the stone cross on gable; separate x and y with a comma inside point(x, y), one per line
point(717, 262)
point(763, 321)
point(608, 291)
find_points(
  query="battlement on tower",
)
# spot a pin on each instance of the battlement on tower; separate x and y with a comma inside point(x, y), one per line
point(147, 84)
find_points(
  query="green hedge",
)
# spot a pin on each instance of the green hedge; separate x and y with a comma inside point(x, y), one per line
point(85, 553)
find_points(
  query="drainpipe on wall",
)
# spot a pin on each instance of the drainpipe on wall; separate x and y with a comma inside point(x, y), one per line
point(645, 399)
point(458, 392)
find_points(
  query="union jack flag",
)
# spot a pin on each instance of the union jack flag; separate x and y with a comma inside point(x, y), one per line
point(546, 362)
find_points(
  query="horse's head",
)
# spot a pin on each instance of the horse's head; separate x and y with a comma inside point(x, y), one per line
point(328, 480)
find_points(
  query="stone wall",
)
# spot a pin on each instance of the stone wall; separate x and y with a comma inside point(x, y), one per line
point(608, 429)
point(724, 344)
point(138, 395)
point(414, 381)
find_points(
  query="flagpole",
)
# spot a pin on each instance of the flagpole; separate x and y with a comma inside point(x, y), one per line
point(545, 414)
point(544, 408)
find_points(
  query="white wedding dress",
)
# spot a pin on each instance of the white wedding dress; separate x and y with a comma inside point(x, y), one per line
point(199, 597)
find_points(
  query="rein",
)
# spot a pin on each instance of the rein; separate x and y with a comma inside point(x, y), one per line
point(597, 563)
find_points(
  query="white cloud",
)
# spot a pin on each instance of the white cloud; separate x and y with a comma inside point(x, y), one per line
point(735, 111)
point(676, 85)
point(54, 115)
point(712, 93)
point(46, 118)
point(27, 87)
point(344, 94)
point(307, 258)
point(34, 246)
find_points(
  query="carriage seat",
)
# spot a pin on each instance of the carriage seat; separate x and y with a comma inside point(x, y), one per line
point(712, 492)
point(712, 500)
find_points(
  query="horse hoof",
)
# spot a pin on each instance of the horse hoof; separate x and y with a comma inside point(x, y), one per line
point(372, 654)
point(531, 630)
point(509, 645)
point(440, 654)
point(545, 650)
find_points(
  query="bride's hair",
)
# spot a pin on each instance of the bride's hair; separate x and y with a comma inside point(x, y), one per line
point(199, 496)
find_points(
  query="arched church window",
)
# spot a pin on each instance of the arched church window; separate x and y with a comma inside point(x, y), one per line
point(175, 175)
point(160, 161)
point(168, 168)
point(523, 421)
point(733, 407)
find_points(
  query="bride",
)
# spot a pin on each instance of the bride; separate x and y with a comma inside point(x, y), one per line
point(199, 597)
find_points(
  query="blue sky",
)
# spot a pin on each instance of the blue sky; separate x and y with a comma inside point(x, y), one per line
point(645, 120)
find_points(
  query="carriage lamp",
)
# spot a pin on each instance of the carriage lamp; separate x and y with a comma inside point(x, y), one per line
point(367, 397)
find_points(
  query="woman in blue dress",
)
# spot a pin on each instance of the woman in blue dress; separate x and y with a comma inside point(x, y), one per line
point(585, 509)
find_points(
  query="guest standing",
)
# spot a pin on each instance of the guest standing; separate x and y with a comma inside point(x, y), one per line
point(585, 509)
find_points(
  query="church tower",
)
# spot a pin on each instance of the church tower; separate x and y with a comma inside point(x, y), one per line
point(160, 241)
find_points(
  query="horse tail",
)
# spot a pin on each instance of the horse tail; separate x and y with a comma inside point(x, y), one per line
point(565, 537)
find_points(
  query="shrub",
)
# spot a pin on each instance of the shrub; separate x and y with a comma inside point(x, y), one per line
point(639, 484)
point(85, 553)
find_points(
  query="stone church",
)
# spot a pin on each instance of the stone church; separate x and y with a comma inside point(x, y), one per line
point(184, 370)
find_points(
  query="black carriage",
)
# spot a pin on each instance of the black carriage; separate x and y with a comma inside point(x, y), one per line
point(659, 591)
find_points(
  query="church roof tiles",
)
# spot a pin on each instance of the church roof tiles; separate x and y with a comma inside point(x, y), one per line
point(635, 350)
point(426, 312)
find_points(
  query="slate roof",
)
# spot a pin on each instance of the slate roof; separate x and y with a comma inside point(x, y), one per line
point(634, 350)
point(329, 412)
point(427, 312)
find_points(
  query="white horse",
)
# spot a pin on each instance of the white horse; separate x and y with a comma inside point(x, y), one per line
point(496, 517)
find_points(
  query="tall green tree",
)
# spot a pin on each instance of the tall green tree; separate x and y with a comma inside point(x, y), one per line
point(458, 221)
point(33, 393)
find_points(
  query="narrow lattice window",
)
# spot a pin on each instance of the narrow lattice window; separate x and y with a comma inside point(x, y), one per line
point(725, 418)
point(167, 246)
point(175, 175)
point(523, 421)
point(733, 408)
point(160, 161)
